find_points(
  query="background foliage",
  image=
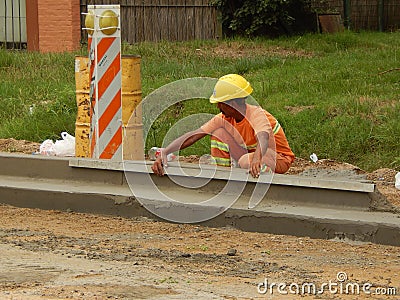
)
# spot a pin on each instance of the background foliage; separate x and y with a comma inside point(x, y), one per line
point(265, 17)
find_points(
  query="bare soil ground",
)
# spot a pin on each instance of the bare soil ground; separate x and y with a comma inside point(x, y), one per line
point(235, 49)
point(21, 146)
point(56, 255)
point(61, 255)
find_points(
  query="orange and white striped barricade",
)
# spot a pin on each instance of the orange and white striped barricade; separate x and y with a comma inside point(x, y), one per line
point(103, 25)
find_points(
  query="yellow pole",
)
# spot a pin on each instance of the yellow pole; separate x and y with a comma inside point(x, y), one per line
point(132, 123)
point(82, 124)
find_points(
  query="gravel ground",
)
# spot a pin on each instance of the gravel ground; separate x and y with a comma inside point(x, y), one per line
point(57, 255)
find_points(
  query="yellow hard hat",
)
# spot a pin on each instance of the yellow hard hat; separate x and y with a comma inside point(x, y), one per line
point(231, 86)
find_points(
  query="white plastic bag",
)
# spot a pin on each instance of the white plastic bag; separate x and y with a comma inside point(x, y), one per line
point(314, 157)
point(64, 147)
point(47, 148)
point(397, 182)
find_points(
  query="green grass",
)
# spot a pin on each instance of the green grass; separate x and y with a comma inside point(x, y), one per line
point(39, 83)
point(328, 91)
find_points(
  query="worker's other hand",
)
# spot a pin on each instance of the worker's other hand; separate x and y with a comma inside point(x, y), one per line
point(160, 163)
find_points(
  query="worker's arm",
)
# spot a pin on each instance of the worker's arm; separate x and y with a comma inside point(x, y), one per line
point(262, 147)
point(180, 143)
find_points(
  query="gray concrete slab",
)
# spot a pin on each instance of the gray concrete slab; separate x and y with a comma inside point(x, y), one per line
point(320, 209)
point(193, 170)
point(316, 222)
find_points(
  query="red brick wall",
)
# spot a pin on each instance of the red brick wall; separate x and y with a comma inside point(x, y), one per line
point(32, 25)
point(58, 25)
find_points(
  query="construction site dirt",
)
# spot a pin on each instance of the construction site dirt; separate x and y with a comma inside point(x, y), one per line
point(68, 255)
point(61, 255)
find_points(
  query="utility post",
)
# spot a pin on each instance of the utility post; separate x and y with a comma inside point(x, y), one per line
point(347, 13)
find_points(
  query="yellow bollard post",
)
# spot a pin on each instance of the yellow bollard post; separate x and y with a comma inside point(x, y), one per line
point(132, 123)
point(82, 124)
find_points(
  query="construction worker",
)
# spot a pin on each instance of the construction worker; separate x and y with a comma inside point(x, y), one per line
point(242, 134)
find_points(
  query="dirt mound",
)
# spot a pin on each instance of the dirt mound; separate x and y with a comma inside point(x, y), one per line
point(384, 179)
point(300, 165)
point(20, 146)
point(383, 175)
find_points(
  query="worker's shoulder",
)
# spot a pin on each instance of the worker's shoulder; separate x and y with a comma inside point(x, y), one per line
point(255, 109)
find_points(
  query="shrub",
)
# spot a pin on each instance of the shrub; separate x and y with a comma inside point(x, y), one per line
point(265, 17)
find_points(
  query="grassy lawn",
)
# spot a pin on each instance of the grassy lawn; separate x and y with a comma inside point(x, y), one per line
point(335, 95)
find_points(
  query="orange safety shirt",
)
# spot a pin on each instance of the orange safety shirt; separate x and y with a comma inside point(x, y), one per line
point(244, 132)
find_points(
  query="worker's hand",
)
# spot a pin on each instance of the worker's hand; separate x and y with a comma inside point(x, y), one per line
point(255, 168)
point(160, 163)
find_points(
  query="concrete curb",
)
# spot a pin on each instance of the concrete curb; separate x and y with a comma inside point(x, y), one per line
point(292, 205)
